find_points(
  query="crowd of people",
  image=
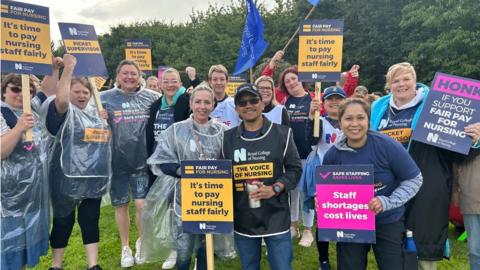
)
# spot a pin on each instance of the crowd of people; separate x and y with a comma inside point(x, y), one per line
point(132, 143)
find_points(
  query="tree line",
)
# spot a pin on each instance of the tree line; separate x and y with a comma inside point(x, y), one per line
point(434, 35)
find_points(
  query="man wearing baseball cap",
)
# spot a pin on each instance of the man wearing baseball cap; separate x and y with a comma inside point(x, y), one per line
point(266, 167)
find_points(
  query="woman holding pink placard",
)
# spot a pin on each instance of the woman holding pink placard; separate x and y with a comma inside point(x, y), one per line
point(396, 177)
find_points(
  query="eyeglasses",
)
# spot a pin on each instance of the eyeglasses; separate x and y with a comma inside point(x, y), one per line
point(252, 101)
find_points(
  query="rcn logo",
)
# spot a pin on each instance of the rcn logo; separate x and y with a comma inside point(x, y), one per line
point(383, 124)
point(72, 31)
point(18, 66)
point(432, 137)
point(240, 155)
point(202, 226)
point(339, 234)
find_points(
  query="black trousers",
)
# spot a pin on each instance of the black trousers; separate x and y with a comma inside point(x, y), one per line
point(388, 250)
point(88, 216)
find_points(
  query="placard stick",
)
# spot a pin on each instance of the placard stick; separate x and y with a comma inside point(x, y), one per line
point(210, 259)
point(298, 29)
point(27, 107)
point(316, 118)
point(96, 96)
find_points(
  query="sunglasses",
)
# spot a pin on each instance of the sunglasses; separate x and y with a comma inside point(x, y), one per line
point(17, 89)
point(253, 101)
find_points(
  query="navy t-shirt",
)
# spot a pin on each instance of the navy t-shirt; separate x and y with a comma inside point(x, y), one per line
point(397, 124)
point(391, 163)
point(298, 109)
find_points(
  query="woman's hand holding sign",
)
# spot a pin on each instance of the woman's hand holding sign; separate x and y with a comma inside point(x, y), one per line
point(473, 130)
point(375, 205)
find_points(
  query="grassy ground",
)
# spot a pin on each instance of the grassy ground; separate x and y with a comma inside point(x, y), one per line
point(304, 258)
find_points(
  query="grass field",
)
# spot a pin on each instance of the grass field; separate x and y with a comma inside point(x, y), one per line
point(304, 258)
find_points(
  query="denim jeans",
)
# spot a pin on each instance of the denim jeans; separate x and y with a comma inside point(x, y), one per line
point(279, 249)
point(472, 225)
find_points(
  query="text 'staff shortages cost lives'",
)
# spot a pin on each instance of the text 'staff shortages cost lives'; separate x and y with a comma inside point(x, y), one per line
point(25, 44)
point(343, 194)
point(452, 104)
point(207, 196)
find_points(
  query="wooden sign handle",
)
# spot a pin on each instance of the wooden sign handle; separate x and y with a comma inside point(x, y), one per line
point(96, 96)
point(210, 252)
point(27, 107)
point(316, 118)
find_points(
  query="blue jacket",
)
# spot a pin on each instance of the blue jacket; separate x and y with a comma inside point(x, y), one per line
point(380, 106)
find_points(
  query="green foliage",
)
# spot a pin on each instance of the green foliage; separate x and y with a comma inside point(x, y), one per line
point(435, 35)
point(442, 35)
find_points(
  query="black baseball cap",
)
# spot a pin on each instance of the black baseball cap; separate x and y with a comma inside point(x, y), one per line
point(246, 88)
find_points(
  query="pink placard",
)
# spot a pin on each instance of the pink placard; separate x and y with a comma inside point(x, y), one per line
point(345, 207)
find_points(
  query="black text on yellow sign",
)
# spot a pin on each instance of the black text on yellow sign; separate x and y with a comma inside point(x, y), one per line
point(320, 53)
point(253, 171)
point(82, 46)
point(96, 135)
point(25, 41)
point(142, 56)
point(401, 135)
point(206, 199)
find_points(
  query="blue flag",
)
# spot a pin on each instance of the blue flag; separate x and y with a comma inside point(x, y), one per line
point(314, 2)
point(253, 45)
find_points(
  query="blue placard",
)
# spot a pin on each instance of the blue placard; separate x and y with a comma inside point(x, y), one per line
point(452, 104)
point(81, 41)
point(25, 44)
point(207, 196)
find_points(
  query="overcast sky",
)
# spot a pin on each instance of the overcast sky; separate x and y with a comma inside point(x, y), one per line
point(106, 13)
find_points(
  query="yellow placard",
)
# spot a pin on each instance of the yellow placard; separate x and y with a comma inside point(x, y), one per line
point(231, 88)
point(96, 135)
point(253, 171)
point(25, 41)
point(320, 53)
point(401, 135)
point(99, 82)
point(205, 199)
point(142, 56)
point(82, 46)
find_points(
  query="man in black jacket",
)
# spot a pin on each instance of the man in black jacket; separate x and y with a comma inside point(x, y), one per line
point(266, 165)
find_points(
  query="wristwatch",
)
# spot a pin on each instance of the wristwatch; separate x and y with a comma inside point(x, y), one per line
point(277, 188)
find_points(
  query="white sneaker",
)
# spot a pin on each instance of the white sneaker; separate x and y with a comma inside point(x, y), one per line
point(127, 258)
point(307, 239)
point(170, 262)
point(138, 259)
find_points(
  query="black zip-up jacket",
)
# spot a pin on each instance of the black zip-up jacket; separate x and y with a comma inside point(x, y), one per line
point(269, 158)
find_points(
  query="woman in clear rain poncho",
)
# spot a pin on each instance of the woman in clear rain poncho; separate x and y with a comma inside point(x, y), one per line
point(79, 165)
point(24, 204)
point(128, 105)
point(196, 138)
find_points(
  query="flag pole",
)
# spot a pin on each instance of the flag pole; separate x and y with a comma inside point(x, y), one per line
point(298, 29)
point(251, 75)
